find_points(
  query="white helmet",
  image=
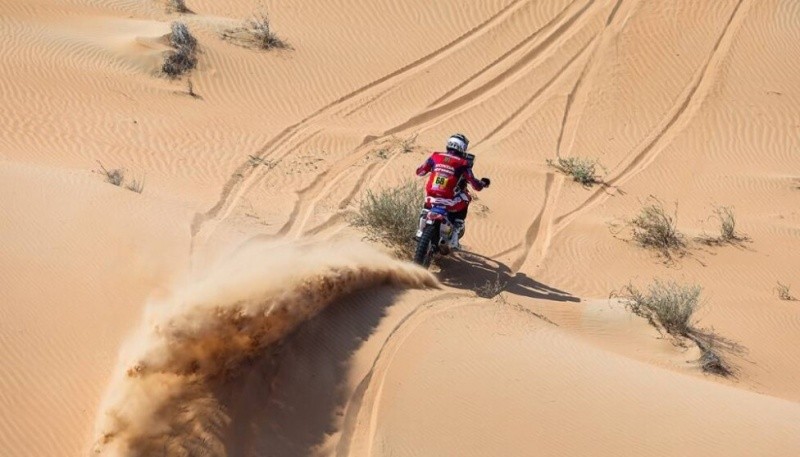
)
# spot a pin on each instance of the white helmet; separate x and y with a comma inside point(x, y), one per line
point(457, 143)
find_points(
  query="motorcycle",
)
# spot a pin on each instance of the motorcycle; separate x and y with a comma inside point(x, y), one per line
point(437, 234)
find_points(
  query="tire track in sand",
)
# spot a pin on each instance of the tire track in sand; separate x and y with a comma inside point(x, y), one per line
point(485, 90)
point(677, 119)
point(538, 236)
point(361, 415)
point(240, 181)
point(551, 40)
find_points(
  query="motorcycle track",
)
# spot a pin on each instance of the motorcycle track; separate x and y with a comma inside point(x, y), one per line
point(280, 146)
point(690, 101)
point(538, 237)
point(434, 117)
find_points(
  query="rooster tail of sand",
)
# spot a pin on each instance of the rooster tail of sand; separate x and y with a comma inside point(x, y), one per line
point(161, 401)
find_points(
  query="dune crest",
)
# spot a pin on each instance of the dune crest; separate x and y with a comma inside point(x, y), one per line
point(161, 399)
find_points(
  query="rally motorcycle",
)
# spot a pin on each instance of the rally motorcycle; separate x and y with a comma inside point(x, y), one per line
point(438, 234)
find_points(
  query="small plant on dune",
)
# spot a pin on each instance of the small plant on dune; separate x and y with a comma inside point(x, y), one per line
point(727, 223)
point(670, 307)
point(391, 214)
point(382, 153)
point(396, 145)
point(582, 170)
point(257, 32)
point(407, 145)
point(654, 228)
point(177, 6)
point(114, 176)
point(183, 58)
point(136, 185)
point(261, 29)
point(783, 292)
point(727, 228)
point(666, 305)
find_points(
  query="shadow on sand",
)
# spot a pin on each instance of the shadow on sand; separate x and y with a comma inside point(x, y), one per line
point(288, 402)
point(470, 271)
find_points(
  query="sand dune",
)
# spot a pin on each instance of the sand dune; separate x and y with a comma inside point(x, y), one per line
point(248, 187)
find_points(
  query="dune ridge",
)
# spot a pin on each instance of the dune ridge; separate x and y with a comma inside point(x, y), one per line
point(161, 400)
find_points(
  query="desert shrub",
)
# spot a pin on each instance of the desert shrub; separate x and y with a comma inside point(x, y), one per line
point(582, 170)
point(396, 145)
point(667, 305)
point(183, 57)
point(727, 223)
point(727, 228)
point(177, 6)
point(114, 176)
point(136, 185)
point(407, 145)
point(654, 228)
point(263, 35)
point(783, 292)
point(391, 214)
point(256, 32)
point(711, 361)
point(670, 307)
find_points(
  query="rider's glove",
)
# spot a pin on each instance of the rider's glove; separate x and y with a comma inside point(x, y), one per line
point(485, 182)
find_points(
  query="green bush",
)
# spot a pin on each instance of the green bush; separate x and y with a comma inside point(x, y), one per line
point(392, 214)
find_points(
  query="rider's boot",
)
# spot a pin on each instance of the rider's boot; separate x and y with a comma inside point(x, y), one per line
point(460, 227)
point(458, 232)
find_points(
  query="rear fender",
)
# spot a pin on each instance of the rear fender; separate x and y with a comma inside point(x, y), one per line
point(436, 214)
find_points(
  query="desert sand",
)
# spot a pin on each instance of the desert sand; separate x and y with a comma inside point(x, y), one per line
point(231, 309)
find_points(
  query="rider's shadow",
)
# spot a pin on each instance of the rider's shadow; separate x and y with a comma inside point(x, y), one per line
point(489, 277)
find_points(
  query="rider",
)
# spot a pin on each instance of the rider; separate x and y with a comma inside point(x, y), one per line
point(449, 172)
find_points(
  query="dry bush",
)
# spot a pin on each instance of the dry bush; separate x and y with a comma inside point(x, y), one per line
point(670, 308)
point(654, 228)
point(727, 228)
point(396, 145)
point(136, 185)
point(177, 6)
point(407, 145)
point(114, 176)
point(392, 214)
point(183, 58)
point(783, 292)
point(582, 170)
point(667, 305)
point(256, 32)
